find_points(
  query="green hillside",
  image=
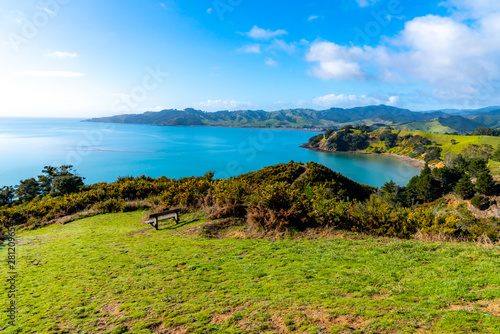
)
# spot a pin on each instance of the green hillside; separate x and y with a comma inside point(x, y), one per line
point(113, 274)
point(433, 126)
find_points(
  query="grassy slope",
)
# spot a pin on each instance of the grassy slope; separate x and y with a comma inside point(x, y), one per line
point(107, 274)
point(431, 126)
point(462, 141)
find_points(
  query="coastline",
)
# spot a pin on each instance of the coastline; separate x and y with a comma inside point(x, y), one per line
point(410, 161)
point(315, 130)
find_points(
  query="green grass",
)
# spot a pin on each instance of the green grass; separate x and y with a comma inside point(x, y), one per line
point(433, 126)
point(461, 141)
point(109, 274)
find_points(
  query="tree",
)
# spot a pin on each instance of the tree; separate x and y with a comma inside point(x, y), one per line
point(27, 190)
point(476, 167)
point(432, 153)
point(464, 188)
point(447, 178)
point(65, 184)
point(459, 162)
point(391, 192)
point(485, 184)
point(423, 188)
point(389, 138)
point(67, 181)
point(6, 195)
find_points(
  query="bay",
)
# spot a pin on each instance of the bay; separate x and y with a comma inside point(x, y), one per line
point(101, 152)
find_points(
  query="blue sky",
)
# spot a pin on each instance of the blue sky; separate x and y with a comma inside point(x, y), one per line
point(91, 58)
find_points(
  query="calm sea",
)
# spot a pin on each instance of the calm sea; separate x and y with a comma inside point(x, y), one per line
point(102, 152)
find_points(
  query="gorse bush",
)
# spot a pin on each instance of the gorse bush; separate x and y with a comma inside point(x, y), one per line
point(279, 207)
point(226, 198)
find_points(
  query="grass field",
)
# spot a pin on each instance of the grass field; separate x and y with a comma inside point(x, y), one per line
point(113, 274)
point(430, 126)
point(461, 141)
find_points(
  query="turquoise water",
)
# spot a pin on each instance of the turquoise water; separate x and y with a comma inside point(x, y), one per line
point(102, 152)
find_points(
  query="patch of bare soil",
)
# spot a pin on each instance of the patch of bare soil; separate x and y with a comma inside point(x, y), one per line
point(490, 306)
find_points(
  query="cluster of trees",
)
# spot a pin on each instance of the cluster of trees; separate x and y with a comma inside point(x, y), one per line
point(54, 181)
point(483, 131)
point(432, 184)
point(347, 140)
point(390, 139)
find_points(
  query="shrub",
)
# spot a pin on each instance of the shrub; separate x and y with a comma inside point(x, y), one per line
point(481, 202)
point(227, 199)
point(279, 207)
point(485, 184)
point(376, 216)
point(109, 206)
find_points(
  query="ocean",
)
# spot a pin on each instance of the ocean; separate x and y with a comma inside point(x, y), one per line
point(101, 152)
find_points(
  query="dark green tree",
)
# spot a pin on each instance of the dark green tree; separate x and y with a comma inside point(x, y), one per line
point(6, 195)
point(432, 153)
point(65, 184)
point(27, 190)
point(328, 133)
point(422, 188)
point(464, 188)
point(391, 192)
point(67, 180)
point(447, 178)
point(485, 184)
point(476, 167)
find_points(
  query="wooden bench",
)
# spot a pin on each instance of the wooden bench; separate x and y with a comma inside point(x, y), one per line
point(155, 218)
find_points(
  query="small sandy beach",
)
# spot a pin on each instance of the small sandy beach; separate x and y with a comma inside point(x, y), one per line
point(412, 162)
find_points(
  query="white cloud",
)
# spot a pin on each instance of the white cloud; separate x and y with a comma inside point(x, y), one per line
point(265, 34)
point(60, 74)
point(210, 11)
point(366, 3)
point(251, 48)
point(162, 5)
point(215, 105)
point(335, 61)
point(270, 62)
point(349, 101)
point(59, 54)
point(312, 18)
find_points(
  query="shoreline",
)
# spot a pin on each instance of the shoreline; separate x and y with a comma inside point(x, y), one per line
point(410, 161)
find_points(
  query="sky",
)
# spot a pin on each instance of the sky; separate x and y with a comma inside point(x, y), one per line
point(70, 58)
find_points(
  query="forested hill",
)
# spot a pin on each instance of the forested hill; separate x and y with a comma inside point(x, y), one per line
point(291, 118)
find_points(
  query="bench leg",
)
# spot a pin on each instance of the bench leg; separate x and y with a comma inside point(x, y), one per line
point(156, 223)
point(177, 218)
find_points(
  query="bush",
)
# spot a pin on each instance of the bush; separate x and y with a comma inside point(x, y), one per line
point(227, 199)
point(378, 217)
point(279, 207)
point(481, 202)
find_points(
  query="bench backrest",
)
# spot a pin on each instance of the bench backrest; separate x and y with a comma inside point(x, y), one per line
point(159, 214)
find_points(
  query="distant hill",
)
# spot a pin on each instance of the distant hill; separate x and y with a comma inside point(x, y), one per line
point(283, 118)
point(440, 121)
point(448, 124)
